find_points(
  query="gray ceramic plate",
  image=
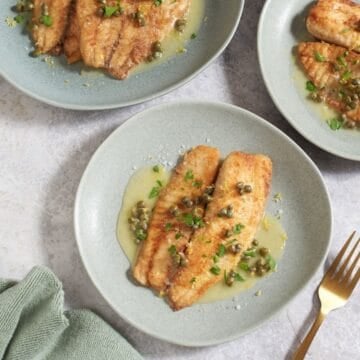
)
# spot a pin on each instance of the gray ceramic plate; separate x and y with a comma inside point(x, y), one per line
point(61, 85)
point(161, 132)
point(281, 27)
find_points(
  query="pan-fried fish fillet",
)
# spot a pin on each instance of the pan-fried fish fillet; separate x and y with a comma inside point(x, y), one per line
point(192, 281)
point(72, 38)
point(118, 43)
point(336, 73)
point(48, 39)
point(196, 171)
point(336, 21)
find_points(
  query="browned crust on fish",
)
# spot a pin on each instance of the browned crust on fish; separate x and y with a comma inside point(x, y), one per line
point(255, 170)
point(203, 162)
point(118, 43)
point(48, 39)
point(322, 73)
point(72, 38)
point(336, 21)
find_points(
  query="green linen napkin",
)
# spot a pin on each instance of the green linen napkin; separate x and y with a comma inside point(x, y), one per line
point(34, 325)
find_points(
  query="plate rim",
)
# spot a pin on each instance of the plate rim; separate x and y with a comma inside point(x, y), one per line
point(166, 90)
point(224, 106)
point(298, 128)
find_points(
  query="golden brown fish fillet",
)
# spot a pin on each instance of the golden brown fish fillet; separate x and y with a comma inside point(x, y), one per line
point(336, 21)
point(192, 281)
point(336, 73)
point(118, 43)
point(196, 171)
point(72, 38)
point(48, 39)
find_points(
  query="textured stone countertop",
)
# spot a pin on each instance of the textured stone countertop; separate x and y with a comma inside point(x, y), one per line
point(43, 153)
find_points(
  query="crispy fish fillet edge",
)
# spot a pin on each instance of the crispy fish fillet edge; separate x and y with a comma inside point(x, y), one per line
point(72, 37)
point(321, 73)
point(192, 281)
point(117, 44)
point(48, 39)
point(203, 162)
point(336, 21)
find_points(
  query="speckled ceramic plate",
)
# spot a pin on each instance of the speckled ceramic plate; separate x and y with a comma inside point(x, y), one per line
point(281, 27)
point(62, 85)
point(161, 132)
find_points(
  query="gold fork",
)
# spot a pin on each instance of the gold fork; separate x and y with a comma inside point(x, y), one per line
point(334, 290)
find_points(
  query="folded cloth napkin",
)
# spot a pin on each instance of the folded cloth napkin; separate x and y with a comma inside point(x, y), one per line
point(34, 325)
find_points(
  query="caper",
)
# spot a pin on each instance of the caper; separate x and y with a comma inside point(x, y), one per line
point(133, 220)
point(133, 227)
point(157, 46)
point(140, 204)
point(35, 53)
point(209, 190)
point(206, 198)
point(355, 82)
point(230, 278)
point(222, 212)
point(260, 271)
point(255, 242)
point(199, 212)
point(248, 188)
point(143, 225)
point(140, 19)
point(230, 211)
point(228, 233)
point(235, 248)
point(180, 25)
point(45, 10)
point(29, 6)
point(260, 263)
point(20, 6)
point(174, 210)
point(100, 11)
point(350, 124)
point(315, 97)
point(245, 258)
point(157, 55)
point(264, 251)
point(134, 212)
point(183, 260)
point(187, 202)
point(240, 185)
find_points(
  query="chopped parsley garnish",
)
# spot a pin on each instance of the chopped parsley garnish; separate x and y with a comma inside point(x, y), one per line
point(335, 123)
point(193, 36)
point(172, 250)
point(192, 220)
point(341, 60)
point(319, 57)
point(193, 280)
point(238, 277)
point(189, 175)
point(271, 262)
point(251, 253)
point(346, 75)
point(310, 86)
point(216, 258)
point(215, 270)
point(46, 20)
point(178, 235)
point(158, 2)
point(221, 251)
point(168, 226)
point(155, 191)
point(197, 183)
point(244, 266)
point(237, 228)
point(156, 168)
point(140, 234)
point(19, 18)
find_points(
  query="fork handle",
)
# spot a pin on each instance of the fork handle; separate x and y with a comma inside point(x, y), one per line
point(304, 346)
